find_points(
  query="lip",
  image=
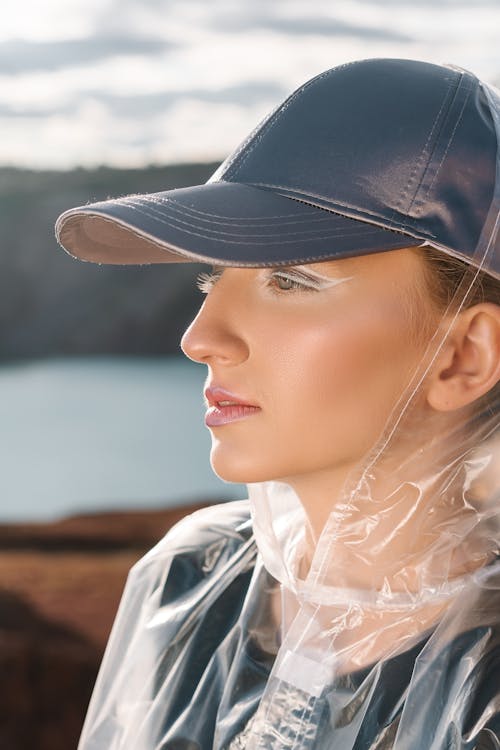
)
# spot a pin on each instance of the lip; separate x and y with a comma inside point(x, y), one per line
point(220, 413)
point(214, 394)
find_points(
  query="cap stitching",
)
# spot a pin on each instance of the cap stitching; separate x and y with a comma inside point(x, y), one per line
point(363, 213)
point(174, 219)
point(416, 168)
point(237, 223)
point(180, 209)
point(165, 200)
point(246, 241)
point(459, 119)
point(231, 221)
point(153, 213)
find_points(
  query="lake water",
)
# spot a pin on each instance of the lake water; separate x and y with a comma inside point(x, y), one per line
point(81, 435)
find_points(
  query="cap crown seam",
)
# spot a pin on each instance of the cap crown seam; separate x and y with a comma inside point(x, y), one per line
point(242, 156)
point(425, 153)
point(421, 201)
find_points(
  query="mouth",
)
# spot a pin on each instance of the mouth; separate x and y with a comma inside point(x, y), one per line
point(225, 407)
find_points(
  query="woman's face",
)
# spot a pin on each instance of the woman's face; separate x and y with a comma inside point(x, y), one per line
point(321, 352)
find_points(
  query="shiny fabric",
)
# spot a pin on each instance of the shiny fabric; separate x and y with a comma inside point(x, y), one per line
point(194, 644)
point(368, 156)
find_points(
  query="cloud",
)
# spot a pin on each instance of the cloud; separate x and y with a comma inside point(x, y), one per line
point(19, 56)
point(301, 26)
point(425, 3)
point(137, 106)
point(246, 94)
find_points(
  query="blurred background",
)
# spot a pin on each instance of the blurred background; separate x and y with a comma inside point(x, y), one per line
point(102, 441)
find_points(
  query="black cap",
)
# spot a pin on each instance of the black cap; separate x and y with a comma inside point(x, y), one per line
point(366, 157)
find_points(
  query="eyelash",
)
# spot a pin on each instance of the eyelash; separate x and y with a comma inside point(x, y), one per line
point(299, 282)
point(205, 281)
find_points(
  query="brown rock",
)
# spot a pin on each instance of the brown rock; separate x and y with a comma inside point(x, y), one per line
point(60, 585)
point(47, 675)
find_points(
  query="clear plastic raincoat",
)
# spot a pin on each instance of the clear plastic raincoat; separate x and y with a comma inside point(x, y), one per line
point(225, 639)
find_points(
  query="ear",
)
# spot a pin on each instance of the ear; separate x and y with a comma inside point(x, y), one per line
point(468, 366)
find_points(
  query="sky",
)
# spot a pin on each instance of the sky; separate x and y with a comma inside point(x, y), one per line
point(137, 82)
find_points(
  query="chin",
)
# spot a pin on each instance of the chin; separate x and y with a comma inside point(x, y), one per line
point(240, 469)
point(235, 475)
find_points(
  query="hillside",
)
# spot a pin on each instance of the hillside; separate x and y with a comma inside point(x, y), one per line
point(53, 305)
point(60, 584)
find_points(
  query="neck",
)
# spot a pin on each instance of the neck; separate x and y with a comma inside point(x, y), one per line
point(390, 534)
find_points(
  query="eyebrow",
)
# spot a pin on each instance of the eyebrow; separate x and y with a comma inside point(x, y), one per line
point(347, 264)
point(337, 264)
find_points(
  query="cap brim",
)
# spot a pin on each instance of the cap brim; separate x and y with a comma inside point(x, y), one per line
point(222, 223)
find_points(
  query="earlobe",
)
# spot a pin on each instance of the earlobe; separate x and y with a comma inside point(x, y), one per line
point(469, 364)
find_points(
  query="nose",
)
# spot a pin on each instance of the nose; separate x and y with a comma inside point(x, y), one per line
point(216, 334)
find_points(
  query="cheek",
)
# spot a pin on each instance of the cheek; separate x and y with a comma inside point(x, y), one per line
point(342, 381)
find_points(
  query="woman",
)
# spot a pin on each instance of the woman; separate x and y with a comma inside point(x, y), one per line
point(351, 331)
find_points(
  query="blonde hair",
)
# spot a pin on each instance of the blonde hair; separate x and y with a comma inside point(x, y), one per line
point(444, 273)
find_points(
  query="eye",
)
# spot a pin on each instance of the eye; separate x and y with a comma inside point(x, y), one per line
point(289, 281)
point(205, 281)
